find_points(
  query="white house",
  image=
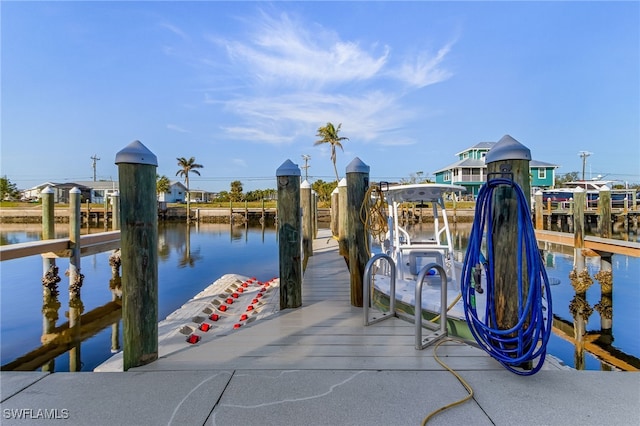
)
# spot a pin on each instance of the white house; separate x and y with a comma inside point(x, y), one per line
point(60, 191)
point(100, 189)
point(177, 193)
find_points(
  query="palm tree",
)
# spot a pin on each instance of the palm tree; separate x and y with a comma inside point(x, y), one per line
point(329, 134)
point(162, 184)
point(187, 166)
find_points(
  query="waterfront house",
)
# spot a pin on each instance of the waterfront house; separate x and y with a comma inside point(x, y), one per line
point(101, 189)
point(201, 196)
point(177, 193)
point(60, 191)
point(470, 170)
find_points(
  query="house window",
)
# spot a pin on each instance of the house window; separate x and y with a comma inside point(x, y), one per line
point(542, 173)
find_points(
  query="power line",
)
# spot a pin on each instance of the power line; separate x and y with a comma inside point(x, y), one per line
point(306, 166)
point(94, 158)
point(584, 155)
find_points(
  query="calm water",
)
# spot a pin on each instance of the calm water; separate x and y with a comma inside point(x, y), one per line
point(183, 271)
point(190, 262)
point(626, 302)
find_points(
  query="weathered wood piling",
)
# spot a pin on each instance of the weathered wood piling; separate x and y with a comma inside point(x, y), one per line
point(343, 247)
point(289, 235)
point(307, 221)
point(507, 159)
point(139, 252)
point(76, 306)
point(357, 184)
point(50, 277)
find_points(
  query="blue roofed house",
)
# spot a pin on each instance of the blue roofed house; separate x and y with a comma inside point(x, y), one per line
point(470, 170)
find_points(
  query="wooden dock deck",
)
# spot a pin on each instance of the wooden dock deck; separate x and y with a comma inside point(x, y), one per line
point(326, 333)
point(319, 365)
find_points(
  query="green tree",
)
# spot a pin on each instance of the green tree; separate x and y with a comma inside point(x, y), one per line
point(162, 184)
point(256, 195)
point(324, 190)
point(329, 134)
point(223, 197)
point(236, 190)
point(187, 166)
point(567, 177)
point(8, 190)
point(270, 194)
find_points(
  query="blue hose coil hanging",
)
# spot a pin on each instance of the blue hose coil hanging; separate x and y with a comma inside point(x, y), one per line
point(527, 340)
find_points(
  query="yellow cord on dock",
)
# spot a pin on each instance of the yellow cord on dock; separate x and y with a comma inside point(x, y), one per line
point(375, 221)
point(460, 379)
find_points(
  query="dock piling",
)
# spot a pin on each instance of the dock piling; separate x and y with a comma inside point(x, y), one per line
point(539, 216)
point(507, 159)
point(334, 212)
point(50, 278)
point(76, 306)
point(307, 218)
point(357, 184)
point(604, 207)
point(115, 211)
point(343, 245)
point(139, 253)
point(289, 235)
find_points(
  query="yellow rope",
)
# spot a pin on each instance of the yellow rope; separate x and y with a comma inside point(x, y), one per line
point(374, 216)
point(460, 379)
point(451, 305)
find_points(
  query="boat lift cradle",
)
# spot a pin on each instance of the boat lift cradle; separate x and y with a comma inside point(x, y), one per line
point(403, 249)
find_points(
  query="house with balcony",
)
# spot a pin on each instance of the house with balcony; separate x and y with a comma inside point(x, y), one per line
point(470, 170)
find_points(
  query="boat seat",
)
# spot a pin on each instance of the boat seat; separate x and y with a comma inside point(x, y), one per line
point(420, 258)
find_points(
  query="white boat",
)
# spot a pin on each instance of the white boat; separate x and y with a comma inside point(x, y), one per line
point(404, 259)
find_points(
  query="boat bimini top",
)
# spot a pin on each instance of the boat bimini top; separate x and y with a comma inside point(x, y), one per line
point(415, 253)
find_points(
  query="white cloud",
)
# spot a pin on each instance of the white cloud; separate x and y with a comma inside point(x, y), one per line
point(283, 51)
point(424, 69)
point(176, 128)
point(175, 30)
point(256, 134)
point(279, 119)
point(289, 77)
point(239, 162)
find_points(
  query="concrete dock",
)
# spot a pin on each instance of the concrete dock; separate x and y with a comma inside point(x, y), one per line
point(318, 365)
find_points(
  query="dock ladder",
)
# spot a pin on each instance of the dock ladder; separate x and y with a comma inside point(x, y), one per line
point(435, 331)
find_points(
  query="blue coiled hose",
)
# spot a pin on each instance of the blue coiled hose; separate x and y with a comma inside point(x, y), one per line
point(527, 340)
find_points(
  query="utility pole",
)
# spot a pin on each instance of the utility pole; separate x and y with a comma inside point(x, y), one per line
point(306, 166)
point(584, 155)
point(94, 158)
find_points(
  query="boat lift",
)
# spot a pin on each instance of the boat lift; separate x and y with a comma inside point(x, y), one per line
point(436, 331)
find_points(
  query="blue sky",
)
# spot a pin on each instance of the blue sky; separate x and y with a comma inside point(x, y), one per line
point(244, 86)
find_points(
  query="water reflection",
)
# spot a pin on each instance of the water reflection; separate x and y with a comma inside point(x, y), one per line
point(50, 306)
point(77, 331)
point(192, 257)
point(590, 327)
point(583, 302)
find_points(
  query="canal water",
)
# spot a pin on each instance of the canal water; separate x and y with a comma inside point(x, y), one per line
point(190, 258)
